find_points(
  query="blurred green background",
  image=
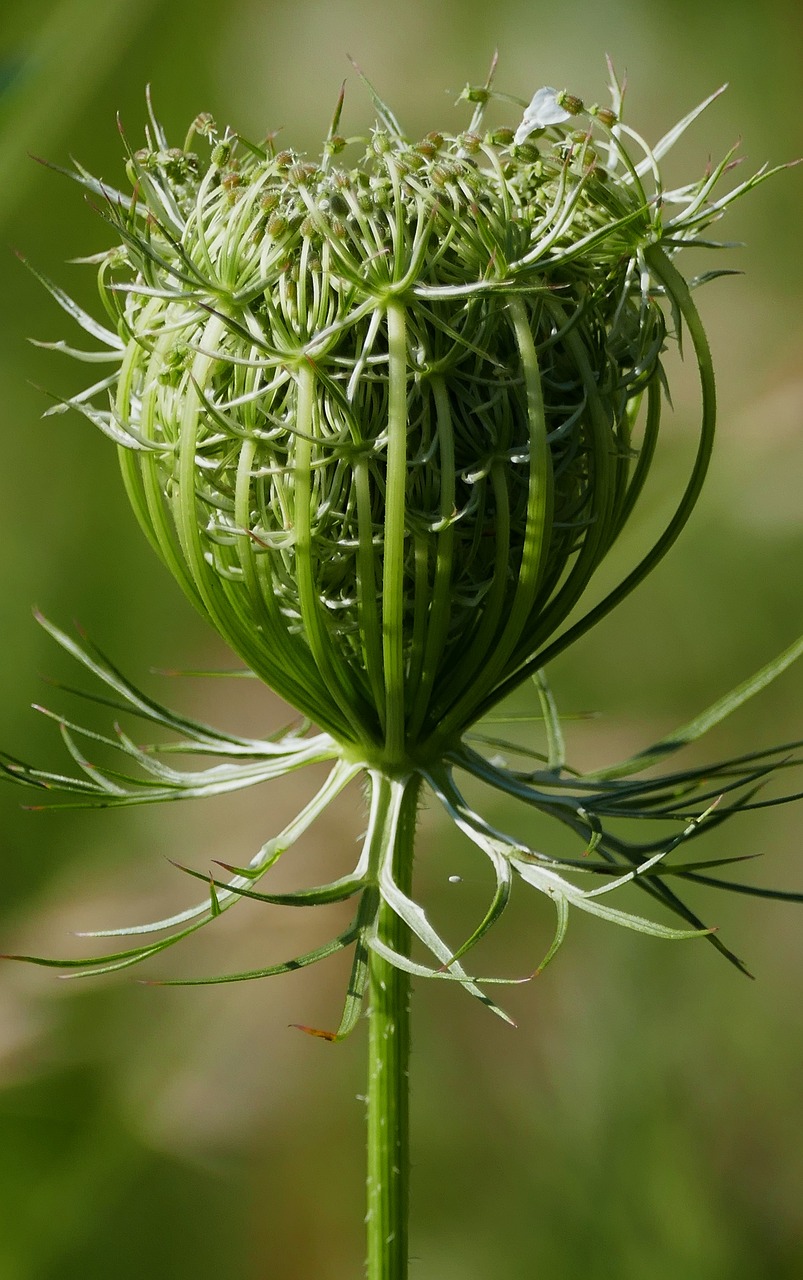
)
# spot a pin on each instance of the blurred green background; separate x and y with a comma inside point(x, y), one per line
point(645, 1121)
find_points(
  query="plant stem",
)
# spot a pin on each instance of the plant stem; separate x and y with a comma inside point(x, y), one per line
point(388, 1061)
point(393, 628)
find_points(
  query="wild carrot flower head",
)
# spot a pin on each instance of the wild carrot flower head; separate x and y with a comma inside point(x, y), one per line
point(383, 412)
point(379, 408)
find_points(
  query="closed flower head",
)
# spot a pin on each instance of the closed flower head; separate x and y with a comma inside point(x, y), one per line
point(379, 408)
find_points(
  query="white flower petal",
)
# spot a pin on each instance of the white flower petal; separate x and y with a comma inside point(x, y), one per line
point(544, 109)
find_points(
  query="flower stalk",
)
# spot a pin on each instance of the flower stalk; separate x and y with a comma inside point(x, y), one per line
point(393, 627)
point(388, 1105)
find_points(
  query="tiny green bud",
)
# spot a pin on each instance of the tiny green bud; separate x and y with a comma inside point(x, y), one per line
point(204, 125)
point(430, 145)
point(606, 117)
point(470, 143)
point(117, 258)
point(424, 150)
point(300, 174)
point(569, 102)
point(277, 225)
point(473, 93)
point(338, 204)
point(221, 154)
point(527, 152)
point(146, 159)
point(176, 361)
point(409, 161)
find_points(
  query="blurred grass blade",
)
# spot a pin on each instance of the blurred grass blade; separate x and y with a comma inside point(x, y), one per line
point(556, 749)
point(74, 48)
point(707, 719)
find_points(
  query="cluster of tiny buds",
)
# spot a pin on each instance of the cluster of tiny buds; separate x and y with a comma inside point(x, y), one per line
point(575, 107)
point(444, 159)
point(549, 107)
point(177, 165)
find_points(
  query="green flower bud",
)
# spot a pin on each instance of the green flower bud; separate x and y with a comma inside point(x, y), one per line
point(472, 93)
point(204, 125)
point(604, 115)
point(470, 143)
point(501, 137)
point(221, 154)
point(430, 146)
point(277, 225)
point(385, 447)
point(569, 102)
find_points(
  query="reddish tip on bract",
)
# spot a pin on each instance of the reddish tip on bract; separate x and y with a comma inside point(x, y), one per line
point(314, 1031)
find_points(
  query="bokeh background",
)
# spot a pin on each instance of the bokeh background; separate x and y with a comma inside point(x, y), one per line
point(645, 1121)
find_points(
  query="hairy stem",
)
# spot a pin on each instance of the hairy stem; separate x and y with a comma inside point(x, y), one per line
point(389, 1053)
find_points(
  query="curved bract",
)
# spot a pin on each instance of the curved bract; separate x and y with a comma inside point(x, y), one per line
point(597, 808)
point(384, 412)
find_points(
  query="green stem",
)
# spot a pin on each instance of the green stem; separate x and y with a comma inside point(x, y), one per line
point(389, 1052)
point(393, 557)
